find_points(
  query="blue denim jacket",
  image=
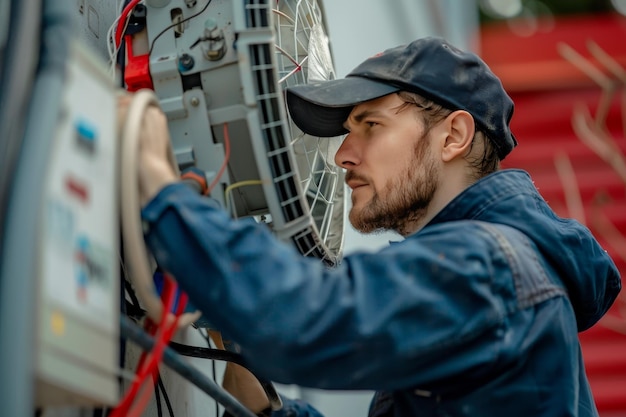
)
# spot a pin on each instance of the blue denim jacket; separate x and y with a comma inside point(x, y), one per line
point(477, 314)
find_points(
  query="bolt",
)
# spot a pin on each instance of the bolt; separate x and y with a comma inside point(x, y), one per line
point(195, 101)
point(185, 62)
point(209, 26)
point(214, 47)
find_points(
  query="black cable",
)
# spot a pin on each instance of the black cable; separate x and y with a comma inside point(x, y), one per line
point(206, 337)
point(208, 353)
point(176, 24)
point(217, 406)
point(131, 293)
point(157, 395)
point(121, 53)
point(225, 355)
point(132, 308)
point(166, 397)
point(131, 331)
point(101, 412)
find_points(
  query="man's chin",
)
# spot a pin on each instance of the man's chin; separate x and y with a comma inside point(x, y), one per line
point(356, 222)
point(364, 226)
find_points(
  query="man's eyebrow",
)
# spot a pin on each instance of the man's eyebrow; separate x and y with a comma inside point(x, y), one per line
point(358, 118)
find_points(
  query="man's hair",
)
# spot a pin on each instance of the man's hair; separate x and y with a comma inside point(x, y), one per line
point(432, 113)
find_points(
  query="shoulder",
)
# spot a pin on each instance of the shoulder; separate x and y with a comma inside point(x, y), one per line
point(472, 256)
point(461, 241)
point(511, 258)
point(473, 237)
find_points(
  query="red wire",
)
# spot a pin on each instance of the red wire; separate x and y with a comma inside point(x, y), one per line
point(167, 332)
point(143, 396)
point(141, 390)
point(122, 409)
point(121, 23)
point(151, 371)
point(226, 158)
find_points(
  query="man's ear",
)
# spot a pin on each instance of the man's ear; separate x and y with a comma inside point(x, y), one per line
point(460, 130)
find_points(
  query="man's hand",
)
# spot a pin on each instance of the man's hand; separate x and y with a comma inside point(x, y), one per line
point(155, 170)
point(241, 383)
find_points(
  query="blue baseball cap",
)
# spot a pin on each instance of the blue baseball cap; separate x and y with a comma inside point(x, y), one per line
point(430, 67)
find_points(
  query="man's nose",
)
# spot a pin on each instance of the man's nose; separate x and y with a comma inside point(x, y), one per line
point(347, 155)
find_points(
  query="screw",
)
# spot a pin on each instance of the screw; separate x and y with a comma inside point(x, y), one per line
point(185, 62)
point(214, 47)
point(195, 101)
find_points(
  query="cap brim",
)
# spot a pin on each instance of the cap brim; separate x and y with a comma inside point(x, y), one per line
point(321, 109)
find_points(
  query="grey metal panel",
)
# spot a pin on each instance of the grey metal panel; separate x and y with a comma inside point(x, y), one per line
point(17, 271)
point(287, 176)
point(17, 69)
point(5, 19)
point(92, 18)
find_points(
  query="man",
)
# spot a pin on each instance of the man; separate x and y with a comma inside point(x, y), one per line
point(474, 313)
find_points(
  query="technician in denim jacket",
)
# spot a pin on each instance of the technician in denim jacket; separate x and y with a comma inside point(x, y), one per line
point(475, 313)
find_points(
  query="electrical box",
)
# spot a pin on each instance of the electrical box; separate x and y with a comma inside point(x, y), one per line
point(77, 334)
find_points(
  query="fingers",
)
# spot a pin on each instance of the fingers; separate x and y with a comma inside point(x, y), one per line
point(155, 161)
point(155, 128)
point(154, 137)
point(154, 120)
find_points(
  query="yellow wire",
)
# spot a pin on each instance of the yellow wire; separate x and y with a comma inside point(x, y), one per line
point(231, 187)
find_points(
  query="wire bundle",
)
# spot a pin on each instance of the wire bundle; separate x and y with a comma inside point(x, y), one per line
point(116, 32)
point(137, 397)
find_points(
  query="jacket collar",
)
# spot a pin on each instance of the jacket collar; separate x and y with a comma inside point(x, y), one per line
point(487, 191)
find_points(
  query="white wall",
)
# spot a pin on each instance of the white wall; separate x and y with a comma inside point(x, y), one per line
point(360, 28)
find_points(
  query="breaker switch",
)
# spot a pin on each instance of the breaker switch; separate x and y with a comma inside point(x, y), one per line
point(86, 135)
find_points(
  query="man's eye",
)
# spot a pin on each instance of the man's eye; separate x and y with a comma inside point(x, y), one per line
point(371, 124)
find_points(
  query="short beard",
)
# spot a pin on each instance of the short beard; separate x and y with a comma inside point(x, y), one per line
point(404, 200)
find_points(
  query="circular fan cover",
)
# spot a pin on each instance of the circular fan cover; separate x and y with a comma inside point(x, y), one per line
point(304, 57)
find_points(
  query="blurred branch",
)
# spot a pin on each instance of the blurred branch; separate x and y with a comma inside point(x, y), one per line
point(598, 140)
point(573, 200)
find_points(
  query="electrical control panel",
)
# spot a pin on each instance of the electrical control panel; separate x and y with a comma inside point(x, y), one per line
point(77, 334)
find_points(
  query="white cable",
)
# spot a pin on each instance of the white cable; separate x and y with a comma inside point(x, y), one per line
point(112, 49)
point(137, 257)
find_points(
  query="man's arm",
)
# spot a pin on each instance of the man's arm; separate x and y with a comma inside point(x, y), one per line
point(241, 383)
point(380, 321)
point(155, 173)
point(244, 386)
point(376, 321)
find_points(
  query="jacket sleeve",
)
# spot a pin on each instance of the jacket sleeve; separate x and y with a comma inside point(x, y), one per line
point(408, 315)
point(291, 408)
point(296, 408)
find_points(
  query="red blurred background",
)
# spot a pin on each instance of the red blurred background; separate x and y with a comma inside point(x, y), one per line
point(567, 76)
